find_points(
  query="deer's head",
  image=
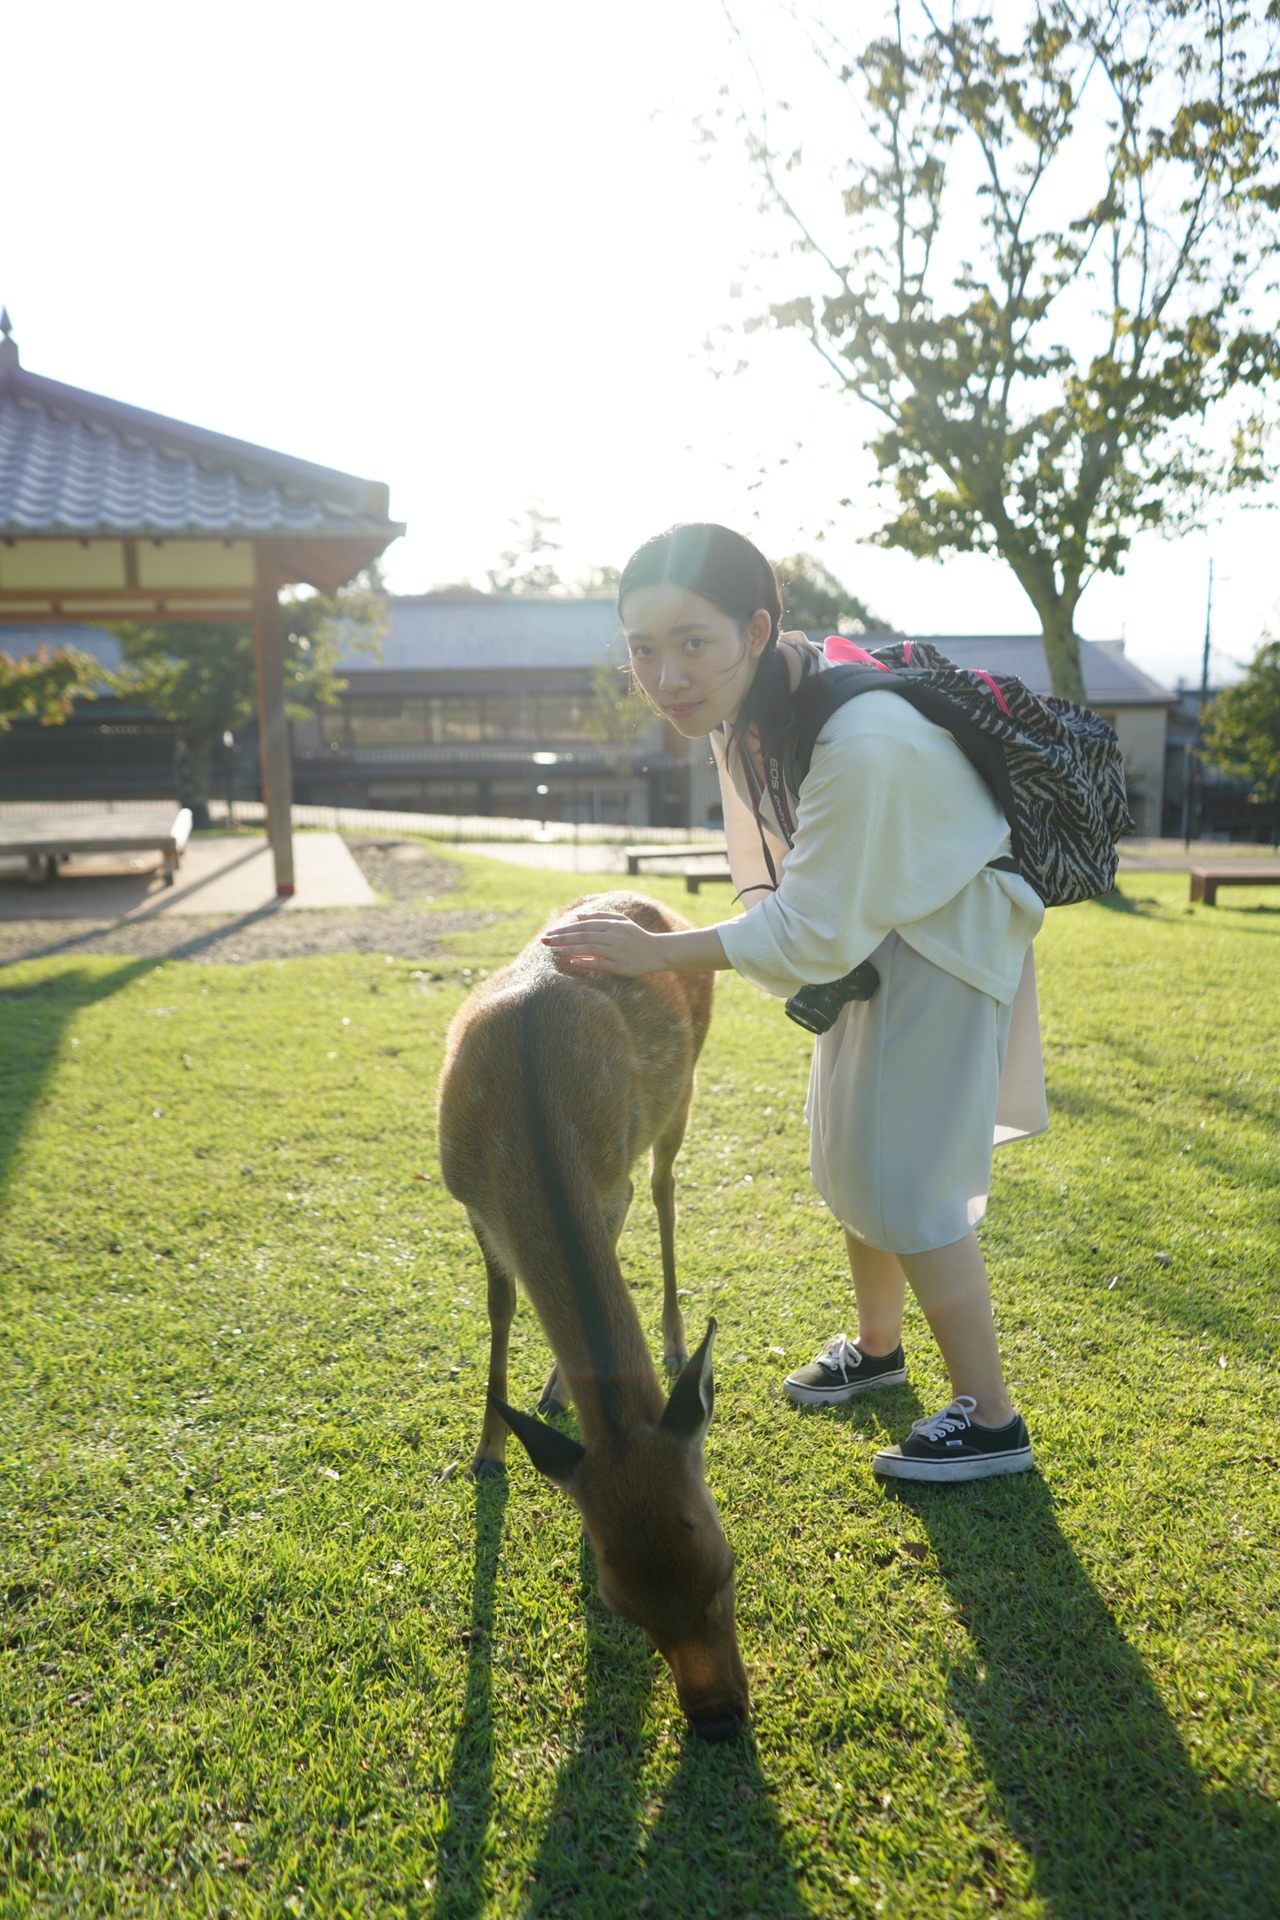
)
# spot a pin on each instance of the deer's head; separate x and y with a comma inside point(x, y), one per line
point(661, 1556)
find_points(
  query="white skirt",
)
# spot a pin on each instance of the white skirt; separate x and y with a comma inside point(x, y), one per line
point(908, 1094)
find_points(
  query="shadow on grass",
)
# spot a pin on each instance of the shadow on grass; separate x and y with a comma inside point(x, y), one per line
point(1092, 1777)
point(33, 1018)
point(460, 1851)
point(712, 1848)
point(33, 1021)
point(1144, 905)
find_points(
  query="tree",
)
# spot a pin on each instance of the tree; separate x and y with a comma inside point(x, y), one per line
point(203, 676)
point(1242, 726)
point(1122, 161)
point(44, 685)
point(813, 597)
point(525, 568)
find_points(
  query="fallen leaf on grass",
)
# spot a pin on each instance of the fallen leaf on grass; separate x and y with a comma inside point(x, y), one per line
point(915, 1549)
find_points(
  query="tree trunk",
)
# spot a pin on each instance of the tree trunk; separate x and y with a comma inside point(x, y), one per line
point(191, 774)
point(1062, 652)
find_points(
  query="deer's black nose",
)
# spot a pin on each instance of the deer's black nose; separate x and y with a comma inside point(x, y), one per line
point(722, 1727)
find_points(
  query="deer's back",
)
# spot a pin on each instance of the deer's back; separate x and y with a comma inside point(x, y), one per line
point(537, 1047)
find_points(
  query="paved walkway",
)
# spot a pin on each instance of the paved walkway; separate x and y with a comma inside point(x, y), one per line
point(1136, 856)
point(220, 873)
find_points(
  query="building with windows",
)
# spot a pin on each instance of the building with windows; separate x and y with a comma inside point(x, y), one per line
point(488, 704)
point(513, 706)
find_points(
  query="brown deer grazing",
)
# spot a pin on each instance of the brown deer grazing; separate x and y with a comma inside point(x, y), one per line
point(553, 1084)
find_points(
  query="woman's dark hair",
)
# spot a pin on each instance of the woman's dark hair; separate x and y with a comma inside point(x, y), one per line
point(725, 568)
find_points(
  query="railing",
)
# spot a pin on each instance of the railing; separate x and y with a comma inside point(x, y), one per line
point(462, 826)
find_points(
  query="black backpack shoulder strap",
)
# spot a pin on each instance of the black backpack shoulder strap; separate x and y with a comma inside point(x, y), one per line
point(817, 699)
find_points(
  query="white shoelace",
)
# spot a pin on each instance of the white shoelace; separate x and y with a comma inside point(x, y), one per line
point(841, 1352)
point(951, 1419)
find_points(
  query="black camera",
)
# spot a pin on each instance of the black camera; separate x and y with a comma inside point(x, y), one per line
point(818, 1008)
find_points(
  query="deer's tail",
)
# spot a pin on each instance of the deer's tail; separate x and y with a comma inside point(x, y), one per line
point(567, 1259)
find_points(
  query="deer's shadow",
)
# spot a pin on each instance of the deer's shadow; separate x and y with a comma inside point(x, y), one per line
point(604, 1846)
point(607, 1850)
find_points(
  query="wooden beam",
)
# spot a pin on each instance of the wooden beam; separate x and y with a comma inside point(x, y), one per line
point(182, 603)
point(273, 722)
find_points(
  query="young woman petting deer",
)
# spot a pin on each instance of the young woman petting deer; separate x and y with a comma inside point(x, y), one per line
point(890, 850)
point(554, 1083)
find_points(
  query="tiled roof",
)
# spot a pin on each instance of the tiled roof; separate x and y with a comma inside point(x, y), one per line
point(79, 465)
point(1110, 677)
point(447, 632)
point(451, 631)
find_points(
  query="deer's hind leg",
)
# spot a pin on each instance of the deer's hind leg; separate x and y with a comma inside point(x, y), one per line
point(490, 1456)
point(662, 1185)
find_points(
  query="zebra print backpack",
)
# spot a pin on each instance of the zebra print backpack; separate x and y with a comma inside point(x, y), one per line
point(1053, 765)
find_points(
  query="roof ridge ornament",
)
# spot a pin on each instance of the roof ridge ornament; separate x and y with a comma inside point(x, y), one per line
point(8, 346)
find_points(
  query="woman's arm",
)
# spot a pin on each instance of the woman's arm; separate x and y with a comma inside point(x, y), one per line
point(610, 943)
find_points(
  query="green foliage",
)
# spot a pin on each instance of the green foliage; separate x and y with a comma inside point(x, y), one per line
point(1242, 726)
point(527, 567)
point(44, 685)
point(265, 1650)
point(813, 598)
point(1043, 371)
point(617, 710)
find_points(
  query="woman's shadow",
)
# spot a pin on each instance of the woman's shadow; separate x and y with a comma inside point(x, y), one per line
point(1092, 1778)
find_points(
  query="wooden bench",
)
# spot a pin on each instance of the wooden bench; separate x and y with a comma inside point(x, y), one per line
point(637, 856)
point(46, 839)
point(695, 877)
point(1205, 881)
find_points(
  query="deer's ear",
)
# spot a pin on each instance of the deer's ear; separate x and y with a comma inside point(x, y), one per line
point(552, 1453)
point(687, 1414)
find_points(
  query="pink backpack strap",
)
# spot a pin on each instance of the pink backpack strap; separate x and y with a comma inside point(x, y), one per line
point(978, 674)
point(837, 647)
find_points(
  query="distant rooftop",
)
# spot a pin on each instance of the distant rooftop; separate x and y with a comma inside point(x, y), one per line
point(1110, 677)
point(455, 629)
point(459, 631)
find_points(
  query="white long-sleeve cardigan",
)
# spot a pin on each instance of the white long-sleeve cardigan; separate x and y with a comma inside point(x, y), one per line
point(894, 829)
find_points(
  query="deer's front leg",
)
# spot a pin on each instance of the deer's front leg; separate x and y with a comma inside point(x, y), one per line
point(490, 1455)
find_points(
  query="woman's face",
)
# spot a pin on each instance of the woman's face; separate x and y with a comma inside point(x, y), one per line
point(690, 660)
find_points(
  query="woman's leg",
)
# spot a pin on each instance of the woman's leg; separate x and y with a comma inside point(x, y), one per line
point(955, 1297)
point(879, 1286)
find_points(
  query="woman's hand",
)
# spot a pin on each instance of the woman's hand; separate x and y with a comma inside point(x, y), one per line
point(611, 943)
point(605, 943)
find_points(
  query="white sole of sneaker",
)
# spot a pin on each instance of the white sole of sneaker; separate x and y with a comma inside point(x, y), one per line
point(836, 1396)
point(978, 1467)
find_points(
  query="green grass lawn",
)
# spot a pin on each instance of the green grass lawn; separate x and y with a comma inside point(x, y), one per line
point(266, 1649)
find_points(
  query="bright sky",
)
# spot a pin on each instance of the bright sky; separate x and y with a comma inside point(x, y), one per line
point(475, 251)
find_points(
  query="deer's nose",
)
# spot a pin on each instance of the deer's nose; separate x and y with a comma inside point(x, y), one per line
point(723, 1726)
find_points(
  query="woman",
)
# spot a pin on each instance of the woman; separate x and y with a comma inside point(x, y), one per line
point(883, 854)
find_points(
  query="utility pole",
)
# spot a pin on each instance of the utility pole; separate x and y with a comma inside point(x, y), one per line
point(1198, 761)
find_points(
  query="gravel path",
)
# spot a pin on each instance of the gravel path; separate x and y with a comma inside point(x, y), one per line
point(408, 876)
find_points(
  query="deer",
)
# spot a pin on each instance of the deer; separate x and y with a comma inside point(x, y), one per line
point(554, 1083)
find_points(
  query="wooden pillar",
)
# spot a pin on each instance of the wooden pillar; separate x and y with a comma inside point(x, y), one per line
point(273, 722)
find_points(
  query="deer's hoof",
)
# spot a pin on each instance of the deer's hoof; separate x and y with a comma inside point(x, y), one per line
point(675, 1362)
point(485, 1469)
point(549, 1404)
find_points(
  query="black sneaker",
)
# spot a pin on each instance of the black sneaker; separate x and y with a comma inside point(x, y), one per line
point(840, 1371)
point(950, 1446)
